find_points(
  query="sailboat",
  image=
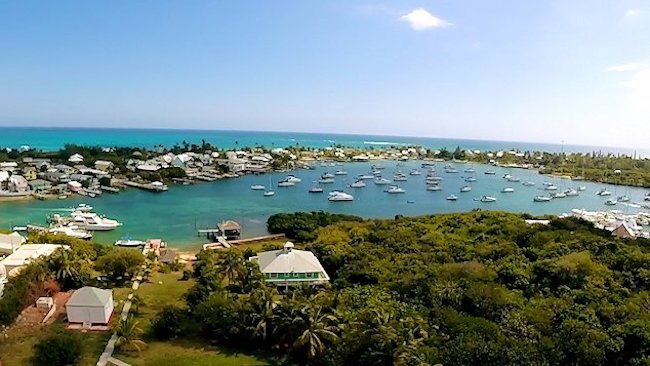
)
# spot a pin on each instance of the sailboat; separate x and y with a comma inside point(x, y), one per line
point(269, 192)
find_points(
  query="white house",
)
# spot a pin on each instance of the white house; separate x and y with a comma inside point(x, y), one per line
point(76, 158)
point(10, 242)
point(104, 165)
point(90, 305)
point(290, 267)
point(181, 160)
point(25, 254)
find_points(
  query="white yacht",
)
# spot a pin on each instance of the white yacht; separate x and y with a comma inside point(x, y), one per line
point(92, 221)
point(158, 186)
point(582, 188)
point(128, 242)
point(316, 190)
point(623, 198)
point(490, 172)
point(292, 178)
point(434, 188)
point(366, 177)
point(415, 172)
point(84, 208)
point(470, 179)
point(452, 197)
point(559, 195)
point(465, 189)
point(338, 196)
point(340, 172)
point(286, 183)
point(269, 193)
point(381, 181)
point(358, 184)
point(395, 190)
point(604, 192)
point(611, 202)
point(528, 183)
point(551, 187)
point(508, 190)
point(542, 199)
point(71, 231)
point(326, 180)
point(258, 187)
point(571, 192)
point(488, 199)
point(470, 170)
point(327, 175)
point(513, 179)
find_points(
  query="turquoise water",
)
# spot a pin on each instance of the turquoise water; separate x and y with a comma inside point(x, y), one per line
point(49, 139)
point(175, 215)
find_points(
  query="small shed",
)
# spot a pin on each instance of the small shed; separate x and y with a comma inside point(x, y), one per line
point(230, 229)
point(44, 302)
point(90, 305)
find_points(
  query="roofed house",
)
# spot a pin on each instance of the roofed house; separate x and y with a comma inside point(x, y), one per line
point(624, 231)
point(76, 158)
point(291, 267)
point(104, 165)
point(90, 305)
point(230, 229)
point(10, 242)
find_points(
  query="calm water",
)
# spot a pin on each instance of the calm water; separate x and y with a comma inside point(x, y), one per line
point(49, 139)
point(175, 215)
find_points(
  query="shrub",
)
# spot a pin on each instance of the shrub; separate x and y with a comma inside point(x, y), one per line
point(167, 323)
point(59, 348)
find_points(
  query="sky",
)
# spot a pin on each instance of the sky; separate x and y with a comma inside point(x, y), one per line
point(576, 71)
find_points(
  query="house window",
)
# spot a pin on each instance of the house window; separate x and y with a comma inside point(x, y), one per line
point(274, 275)
point(308, 275)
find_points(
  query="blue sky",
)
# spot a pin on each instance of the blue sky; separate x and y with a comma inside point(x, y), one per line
point(548, 71)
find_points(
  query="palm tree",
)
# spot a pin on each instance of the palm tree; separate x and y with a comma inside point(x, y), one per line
point(136, 302)
point(264, 303)
point(128, 335)
point(231, 265)
point(68, 268)
point(317, 329)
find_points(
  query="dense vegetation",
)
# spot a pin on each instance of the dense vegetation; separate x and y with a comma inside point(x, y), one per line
point(59, 348)
point(301, 226)
point(456, 289)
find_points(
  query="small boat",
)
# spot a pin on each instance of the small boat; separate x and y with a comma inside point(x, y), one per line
point(604, 192)
point(623, 198)
point(286, 183)
point(338, 196)
point(340, 172)
point(513, 179)
point(415, 172)
point(490, 172)
point(128, 242)
point(507, 176)
point(358, 184)
point(470, 170)
point(451, 170)
point(376, 172)
point(366, 177)
point(559, 195)
point(434, 178)
point(327, 175)
point(582, 188)
point(382, 181)
point(470, 179)
point(465, 189)
point(528, 183)
point(551, 187)
point(488, 199)
point(571, 192)
point(84, 207)
point(395, 190)
point(315, 190)
point(62, 197)
point(258, 187)
point(611, 202)
point(452, 197)
point(269, 193)
point(410, 201)
point(326, 180)
point(71, 231)
point(434, 188)
point(508, 190)
point(400, 178)
point(542, 199)
point(292, 178)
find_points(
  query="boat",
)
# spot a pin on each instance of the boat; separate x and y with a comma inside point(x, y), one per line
point(128, 242)
point(571, 192)
point(366, 177)
point(286, 183)
point(559, 195)
point(315, 190)
point(470, 179)
point(400, 178)
point(488, 199)
point(434, 188)
point(604, 192)
point(513, 179)
point(326, 180)
point(269, 192)
point(327, 175)
point(292, 178)
point(358, 184)
point(542, 199)
point(470, 170)
point(551, 187)
point(623, 198)
point(382, 181)
point(508, 190)
point(582, 188)
point(82, 207)
point(338, 196)
point(62, 197)
point(434, 178)
point(611, 202)
point(528, 183)
point(71, 231)
point(92, 221)
point(465, 189)
point(157, 186)
point(452, 197)
point(376, 172)
point(490, 172)
point(507, 176)
point(394, 190)
point(451, 170)
point(415, 172)
point(258, 187)
point(340, 172)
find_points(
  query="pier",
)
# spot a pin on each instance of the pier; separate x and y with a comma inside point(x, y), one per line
point(222, 243)
point(147, 186)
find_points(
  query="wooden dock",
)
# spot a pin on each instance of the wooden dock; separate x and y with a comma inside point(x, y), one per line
point(222, 243)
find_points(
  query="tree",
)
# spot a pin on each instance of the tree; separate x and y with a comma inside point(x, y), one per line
point(59, 348)
point(167, 323)
point(128, 335)
point(316, 329)
point(119, 265)
point(71, 270)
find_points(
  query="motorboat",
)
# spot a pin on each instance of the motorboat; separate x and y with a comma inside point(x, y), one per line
point(400, 178)
point(358, 184)
point(488, 199)
point(582, 188)
point(452, 197)
point(604, 192)
point(269, 193)
point(508, 190)
point(542, 198)
point(376, 172)
point(326, 180)
point(611, 202)
point(451, 170)
point(286, 183)
point(128, 242)
point(434, 178)
point(92, 221)
point(258, 187)
point(293, 178)
point(327, 175)
point(340, 172)
point(415, 172)
point(465, 189)
point(338, 196)
point(470, 170)
point(528, 183)
point(513, 179)
point(158, 186)
point(490, 172)
point(551, 187)
point(571, 192)
point(623, 198)
point(395, 190)
point(382, 181)
point(71, 231)
point(470, 179)
point(366, 177)
point(84, 208)
point(434, 188)
point(559, 195)
point(507, 176)
point(315, 190)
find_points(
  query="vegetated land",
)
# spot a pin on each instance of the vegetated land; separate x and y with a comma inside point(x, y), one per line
point(457, 289)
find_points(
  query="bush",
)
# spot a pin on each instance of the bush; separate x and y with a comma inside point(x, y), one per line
point(300, 226)
point(167, 323)
point(119, 264)
point(59, 348)
point(187, 274)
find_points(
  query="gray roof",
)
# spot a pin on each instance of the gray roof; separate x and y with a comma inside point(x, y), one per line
point(90, 296)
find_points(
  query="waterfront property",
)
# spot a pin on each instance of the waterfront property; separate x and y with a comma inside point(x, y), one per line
point(230, 229)
point(90, 306)
point(291, 267)
point(9, 243)
point(26, 254)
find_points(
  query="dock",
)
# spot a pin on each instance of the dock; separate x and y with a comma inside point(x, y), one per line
point(222, 243)
point(110, 189)
point(147, 186)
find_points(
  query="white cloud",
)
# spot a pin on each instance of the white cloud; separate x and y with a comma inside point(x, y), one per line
point(420, 19)
point(633, 66)
point(631, 13)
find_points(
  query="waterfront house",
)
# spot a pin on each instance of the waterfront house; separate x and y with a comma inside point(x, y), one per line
point(56, 176)
point(181, 160)
point(90, 305)
point(8, 166)
point(30, 173)
point(9, 243)
point(76, 158)
point(64, 168)
point(230, 229)
point(17, 183)
point(39, 185)
point(291, 267)
point(74, 186)
point(104, 165)
point(25, 254)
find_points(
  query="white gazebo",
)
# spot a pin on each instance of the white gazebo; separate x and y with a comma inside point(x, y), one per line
point(90, 305)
